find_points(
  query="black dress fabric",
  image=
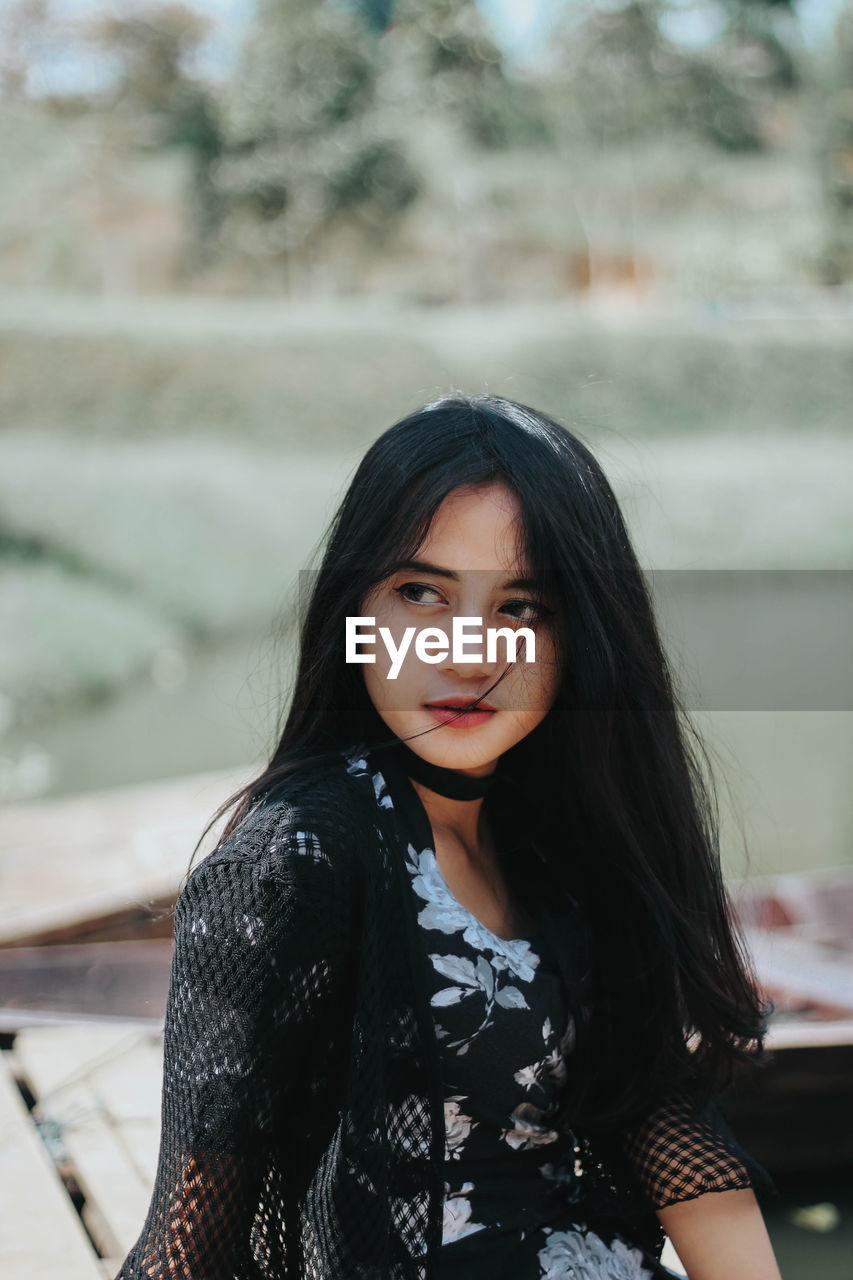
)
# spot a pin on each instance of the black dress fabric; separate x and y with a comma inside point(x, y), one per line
point(304, 1122)
point(513, 1198)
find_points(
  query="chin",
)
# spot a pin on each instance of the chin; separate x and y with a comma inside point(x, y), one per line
point(485, 761)
point(463, 751)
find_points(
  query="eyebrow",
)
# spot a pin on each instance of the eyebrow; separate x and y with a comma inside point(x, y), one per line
point(423, 566)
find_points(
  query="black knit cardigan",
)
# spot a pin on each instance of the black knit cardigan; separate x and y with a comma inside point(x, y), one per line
point(302, 1107)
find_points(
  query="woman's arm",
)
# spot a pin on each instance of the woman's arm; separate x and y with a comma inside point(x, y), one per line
point(701, 1184)
point(258, 943)
point(721, 1236)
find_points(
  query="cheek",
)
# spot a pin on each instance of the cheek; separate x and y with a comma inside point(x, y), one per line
point(400, 694)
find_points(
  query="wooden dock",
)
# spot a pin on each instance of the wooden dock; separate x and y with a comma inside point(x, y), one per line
point(85, 944)
point(86, 884)
point(97, 1096)
point(41, 1235)
point(98, 1090)
point(82, 863)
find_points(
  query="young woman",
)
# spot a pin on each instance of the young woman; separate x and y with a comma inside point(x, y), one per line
point(458, 990)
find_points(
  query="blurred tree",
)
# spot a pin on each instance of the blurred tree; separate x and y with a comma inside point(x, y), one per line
point(765, 35)
point(158, 100)
point(836, 152)
point(627, 79)
point(28, 32)
point(377, 13)
point(305, 140)
point(154, 90)
point(458, 69)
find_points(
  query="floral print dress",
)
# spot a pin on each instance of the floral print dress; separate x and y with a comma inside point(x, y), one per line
point(504, 1032)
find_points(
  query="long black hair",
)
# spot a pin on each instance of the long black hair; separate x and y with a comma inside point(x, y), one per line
point(613, 784)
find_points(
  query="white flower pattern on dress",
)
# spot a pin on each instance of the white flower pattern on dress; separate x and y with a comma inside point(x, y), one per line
point(457, 1127)
point(554, 1065)
point(356, 764)
point(584, 1256)
point(529, 1128)
point(457, 1214)
point(567, 1255)
point(471, 979)
point(445, 913)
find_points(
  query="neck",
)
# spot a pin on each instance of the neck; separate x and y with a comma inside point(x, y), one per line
point(461, 819)
point(452, 798)
point(465, 786)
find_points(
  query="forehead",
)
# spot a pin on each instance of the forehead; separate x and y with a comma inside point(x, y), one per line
point(477, 529)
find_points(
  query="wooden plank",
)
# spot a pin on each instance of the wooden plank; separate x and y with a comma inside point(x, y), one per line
point(101, 1085)
point(817, 904)
point(41, 1236)
point(802, 968)
point(104, 979)
point(146, 919)
point(71, 858)
point(796, 1033)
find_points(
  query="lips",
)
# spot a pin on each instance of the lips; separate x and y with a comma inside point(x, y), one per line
point(456, 704)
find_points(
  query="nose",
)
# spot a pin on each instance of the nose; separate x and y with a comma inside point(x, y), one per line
point(470, 639)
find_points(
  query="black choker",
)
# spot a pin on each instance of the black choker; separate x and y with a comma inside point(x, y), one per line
point(445, 782)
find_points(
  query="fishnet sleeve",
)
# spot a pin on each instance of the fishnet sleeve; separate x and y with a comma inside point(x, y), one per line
point(680, 1152)
point(251, 976)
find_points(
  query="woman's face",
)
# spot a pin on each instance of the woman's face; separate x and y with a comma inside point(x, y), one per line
point(472, 542)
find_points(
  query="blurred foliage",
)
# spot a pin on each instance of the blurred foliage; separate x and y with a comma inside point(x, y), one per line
point(623, 78)
point(837, 153)
point(150, 369)
point(28, 33)
point(152, 50)
point(304, 139)
point(762, 36)
point(456, 68)
point(158, 100)
point(316, 126)
point(358, 134)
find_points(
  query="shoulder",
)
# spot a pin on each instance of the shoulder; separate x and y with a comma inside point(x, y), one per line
point(306, 834)
point(285, 883)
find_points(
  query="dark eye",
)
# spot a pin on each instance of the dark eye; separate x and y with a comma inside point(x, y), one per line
point(415, 587)
point(536, 612)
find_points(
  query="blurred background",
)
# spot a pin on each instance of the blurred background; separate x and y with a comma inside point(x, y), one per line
point(237, 241)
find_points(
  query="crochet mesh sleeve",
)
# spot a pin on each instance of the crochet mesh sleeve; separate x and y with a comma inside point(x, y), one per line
point(680, 1152)
point(257, 952)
